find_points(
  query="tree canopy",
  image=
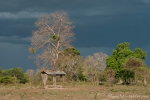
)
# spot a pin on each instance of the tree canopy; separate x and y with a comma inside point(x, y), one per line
point(121, 53)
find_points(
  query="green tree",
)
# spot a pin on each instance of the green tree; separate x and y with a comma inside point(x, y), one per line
point(120, 53)
point(123, 59)
point(139, 53)
point(80, 74)
point(71, 51)
point(126, 75)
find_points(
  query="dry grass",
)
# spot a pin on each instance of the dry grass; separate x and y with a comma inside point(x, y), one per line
point(75, 91)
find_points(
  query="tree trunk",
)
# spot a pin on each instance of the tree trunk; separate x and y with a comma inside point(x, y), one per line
point(125, 81)
point(135, 78)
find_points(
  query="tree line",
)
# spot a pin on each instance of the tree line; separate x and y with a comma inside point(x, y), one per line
point(52, 50)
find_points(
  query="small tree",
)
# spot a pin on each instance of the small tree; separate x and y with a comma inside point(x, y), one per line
point(132, 64)
point(144, 72)
point(30, 74)
point(110, 75)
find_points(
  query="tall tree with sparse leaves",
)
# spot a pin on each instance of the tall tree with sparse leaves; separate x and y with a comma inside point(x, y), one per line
point(53, 35)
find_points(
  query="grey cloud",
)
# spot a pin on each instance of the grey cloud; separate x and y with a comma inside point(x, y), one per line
point(15, 40)
point(21, 14)
point(98, 23)
point(98, 19)
point(69, 5)
point(145, 1)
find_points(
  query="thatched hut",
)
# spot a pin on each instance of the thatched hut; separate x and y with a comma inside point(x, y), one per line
point(44, 75)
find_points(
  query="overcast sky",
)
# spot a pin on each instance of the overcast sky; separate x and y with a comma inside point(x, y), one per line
point(99, 26)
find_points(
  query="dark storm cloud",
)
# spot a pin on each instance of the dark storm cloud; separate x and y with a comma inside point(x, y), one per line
point(99, 24)
point(17, 27)
point(15, 56)
point(98, 19)
point(15, 40)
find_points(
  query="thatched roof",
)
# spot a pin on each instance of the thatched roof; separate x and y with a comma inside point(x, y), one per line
point(58, 73)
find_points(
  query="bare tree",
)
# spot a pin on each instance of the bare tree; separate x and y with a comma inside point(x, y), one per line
point(53, 35)
point(110, 75)
point(144, 73)
point(94, 64)
point(71, 65)
point(30, 73)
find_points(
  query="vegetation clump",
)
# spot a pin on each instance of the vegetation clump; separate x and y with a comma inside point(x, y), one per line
point(13, 75)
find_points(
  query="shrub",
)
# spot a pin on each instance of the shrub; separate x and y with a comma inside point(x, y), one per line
point(7, 80)
point(13, 74)
point(18, 73)
point(102, 77)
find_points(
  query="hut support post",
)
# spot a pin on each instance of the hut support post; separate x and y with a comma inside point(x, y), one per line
point(44, 78)
point(54, 80)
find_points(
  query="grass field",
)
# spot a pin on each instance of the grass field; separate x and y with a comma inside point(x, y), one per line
point(75, 91)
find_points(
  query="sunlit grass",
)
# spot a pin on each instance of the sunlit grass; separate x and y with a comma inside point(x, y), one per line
point(73, 91)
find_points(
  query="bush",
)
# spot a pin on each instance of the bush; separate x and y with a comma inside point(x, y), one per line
point(126, 75)
point(13, 74)
point(80, 75)
point(24, 79)
point(18, 73)
point(7, 80)
point(102, 77)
